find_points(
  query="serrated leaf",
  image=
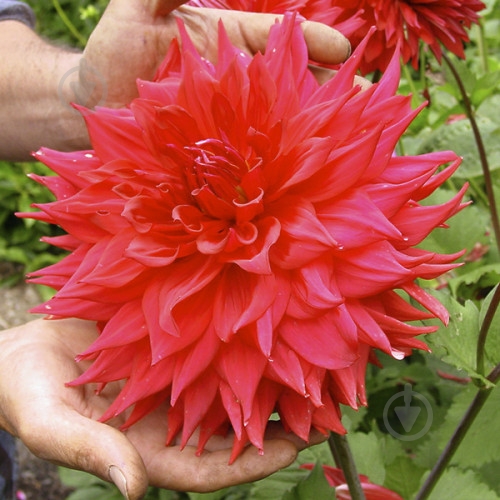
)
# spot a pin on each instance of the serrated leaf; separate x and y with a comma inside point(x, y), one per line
point(480, 278)
point(458, 137)
point(368, 455)
point(453, 238)
point(403, 477)
point(314, 485)
point(461, 485)
point(459, 338)
point(481, 445)
point(489, 475)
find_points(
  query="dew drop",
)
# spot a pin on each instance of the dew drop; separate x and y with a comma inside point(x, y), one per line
point(102, 212)
point(89, 155)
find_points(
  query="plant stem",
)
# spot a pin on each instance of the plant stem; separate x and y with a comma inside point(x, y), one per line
point(483, 333)
point(457, 437)
point(481, 149)
point(343, 458)
point(65, 19)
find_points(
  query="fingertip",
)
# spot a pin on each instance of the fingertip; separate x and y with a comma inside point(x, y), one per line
point(326, 45)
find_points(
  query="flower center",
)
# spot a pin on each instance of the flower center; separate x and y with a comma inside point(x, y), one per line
point(216, 172)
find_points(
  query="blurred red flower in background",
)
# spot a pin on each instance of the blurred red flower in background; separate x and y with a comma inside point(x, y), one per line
point(336, 479)
point(403, 24)
point(239, 233)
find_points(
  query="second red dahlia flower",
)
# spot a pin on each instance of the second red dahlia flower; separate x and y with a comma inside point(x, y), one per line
point(402, 25)
point(244, 238)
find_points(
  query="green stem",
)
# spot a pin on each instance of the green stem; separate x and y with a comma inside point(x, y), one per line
point(457, 437)
point(481, 150)
point(65, 19)
point(343, 458)
point(483, 333)
point(482, 47)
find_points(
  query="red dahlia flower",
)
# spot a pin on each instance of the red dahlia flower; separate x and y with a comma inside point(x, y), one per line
point(238, 234)
point(406, 23)
point(336, 479)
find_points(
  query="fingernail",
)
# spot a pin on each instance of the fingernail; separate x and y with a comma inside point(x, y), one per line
point(117, 476)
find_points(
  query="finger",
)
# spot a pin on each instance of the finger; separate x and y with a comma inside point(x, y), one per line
point(77, 442)
point(185, 471)
point(325, 45)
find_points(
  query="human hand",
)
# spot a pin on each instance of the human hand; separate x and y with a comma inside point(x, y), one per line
point(133, 36)
point(59, 423)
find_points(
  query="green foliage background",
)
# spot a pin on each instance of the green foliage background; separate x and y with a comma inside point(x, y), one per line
point(447, 378)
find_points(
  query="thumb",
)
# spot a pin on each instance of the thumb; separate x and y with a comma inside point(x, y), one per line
point(78, 442)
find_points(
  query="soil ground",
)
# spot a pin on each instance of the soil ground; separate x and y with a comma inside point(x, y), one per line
point(37, 479)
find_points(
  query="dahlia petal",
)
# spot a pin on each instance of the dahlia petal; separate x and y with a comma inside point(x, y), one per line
point(126, 327)
point(240, 300)
point(328, 416)
point(344, 168)
point(314, 290)
point(314, 383)
point(255, 258)
point(426, 300)
point(197, 401)
point(241, 367)
point(370, 331)
point(262, 409)
point(318, 341)
point(355, 221)
point(233, 408)
point(67, 164)
point(188, 328)
point(296, 413)
point(184, 279)
point(284, 367)
point(116, 135)
point(303, 237)
point(194, 362)
point(370, 270)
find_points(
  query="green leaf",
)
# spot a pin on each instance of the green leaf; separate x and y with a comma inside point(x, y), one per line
point(276, 485)
point(314, 485)
point(368, 455)
point(403, 477)
point(459, 338)
point(78, 479)
point(482, 443)
point(461, 485)
point(481, 278)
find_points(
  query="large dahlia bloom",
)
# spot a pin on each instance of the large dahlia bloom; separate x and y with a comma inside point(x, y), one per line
point(401, 26)
point(244, 238)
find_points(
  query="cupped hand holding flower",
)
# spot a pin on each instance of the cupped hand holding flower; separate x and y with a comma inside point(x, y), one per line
point(59, 424)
